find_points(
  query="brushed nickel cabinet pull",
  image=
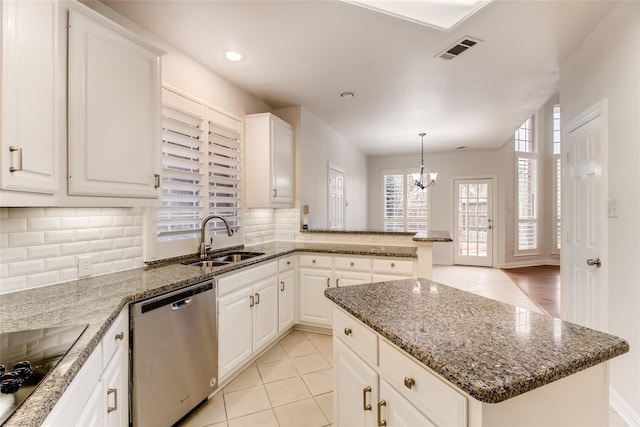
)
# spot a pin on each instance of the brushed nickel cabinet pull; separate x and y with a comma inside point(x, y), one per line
point(381, 422)
point(328, 282)
point(409, 382)
point(257, 298)
point(19, 150)
point(275, 193)
point(347, 331)
point(157, 181)
point(252, 301)
point(113, 391)
point(120, 336)
point(338, 282)
point(282, 286)
point(365, 405)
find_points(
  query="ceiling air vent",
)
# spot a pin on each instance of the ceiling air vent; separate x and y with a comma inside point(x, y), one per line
point(458, 48)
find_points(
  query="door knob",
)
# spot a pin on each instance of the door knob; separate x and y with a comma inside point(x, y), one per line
point(591, 262)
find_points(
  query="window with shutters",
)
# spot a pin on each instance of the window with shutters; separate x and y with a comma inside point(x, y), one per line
point(201, 171)
point(406, 206)
point(557, 181)
point(526, 189)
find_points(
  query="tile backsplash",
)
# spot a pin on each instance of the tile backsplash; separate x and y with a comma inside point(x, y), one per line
point(40, 246)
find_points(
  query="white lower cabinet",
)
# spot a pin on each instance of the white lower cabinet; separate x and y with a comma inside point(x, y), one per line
point(247, 315)
point(99, 394)
point(376, 385)
point(286, 295)
point(314, 307)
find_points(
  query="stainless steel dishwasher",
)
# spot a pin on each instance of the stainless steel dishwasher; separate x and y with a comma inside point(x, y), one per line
point(174, 354)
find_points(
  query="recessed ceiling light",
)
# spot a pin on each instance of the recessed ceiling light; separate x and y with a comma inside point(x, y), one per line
point(347, 95)
point(233, 56)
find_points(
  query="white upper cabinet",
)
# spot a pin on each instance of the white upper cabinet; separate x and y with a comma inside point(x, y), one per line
point(30, 93)
point(269, 161)
point(114, 110)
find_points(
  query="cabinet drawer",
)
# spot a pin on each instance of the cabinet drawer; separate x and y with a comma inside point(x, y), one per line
point(394, 266)
point(315, 261)
point(436, 399)
point(352, 264)
point(117, 336)
point(356, 335)
point(285, 264)
point(248, 275)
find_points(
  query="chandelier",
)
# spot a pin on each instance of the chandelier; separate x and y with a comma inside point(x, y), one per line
point(419, 180)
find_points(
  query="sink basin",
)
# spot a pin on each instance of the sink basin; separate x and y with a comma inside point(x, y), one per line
point(236, 256)
point(209, 263)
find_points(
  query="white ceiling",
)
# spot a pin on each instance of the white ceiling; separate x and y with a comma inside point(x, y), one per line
point(308, 52)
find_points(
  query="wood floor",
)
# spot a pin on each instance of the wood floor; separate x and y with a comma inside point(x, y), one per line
point(541, 284)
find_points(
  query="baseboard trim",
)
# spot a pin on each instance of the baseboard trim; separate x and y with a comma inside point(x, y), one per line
point(529, 264)
point(626, 412)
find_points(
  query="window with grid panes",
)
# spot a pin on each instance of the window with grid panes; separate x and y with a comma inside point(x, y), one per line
point(526, 189)
point(557, 181)
point(201, 169)
point(405, 205)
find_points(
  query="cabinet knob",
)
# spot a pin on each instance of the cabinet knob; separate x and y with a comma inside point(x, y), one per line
point(393, 264)
point(313, 261)
point(347, 331)
point(409, 382)
point(120, 336)
point(352, 264)
point(288, 262)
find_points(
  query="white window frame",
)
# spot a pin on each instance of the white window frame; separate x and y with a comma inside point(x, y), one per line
point(531, 155)
point(406, 182)
point(556, 141)
point(160, 248)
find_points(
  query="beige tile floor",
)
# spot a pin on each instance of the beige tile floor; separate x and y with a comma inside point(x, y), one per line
point(292, 384)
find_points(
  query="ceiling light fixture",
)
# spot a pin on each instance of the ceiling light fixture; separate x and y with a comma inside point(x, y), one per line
point(432, 175)
point(347, 95)
point(233, 56)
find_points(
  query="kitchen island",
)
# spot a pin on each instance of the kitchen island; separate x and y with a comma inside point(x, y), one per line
point(415, 351)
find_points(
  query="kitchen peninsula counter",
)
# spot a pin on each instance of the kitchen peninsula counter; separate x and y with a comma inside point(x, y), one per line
point(98, 300)
point(490, 350)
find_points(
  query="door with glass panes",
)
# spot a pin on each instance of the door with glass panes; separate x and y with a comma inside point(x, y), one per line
point(473, 230)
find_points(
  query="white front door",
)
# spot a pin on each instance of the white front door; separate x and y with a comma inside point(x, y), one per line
point(584, 293)
point(473, 230)
point(336, 199)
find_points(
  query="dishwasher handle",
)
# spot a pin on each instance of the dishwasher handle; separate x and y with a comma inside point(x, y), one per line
point(180, 304)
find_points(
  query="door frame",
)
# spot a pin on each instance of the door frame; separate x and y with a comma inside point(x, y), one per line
point(494, 208)
point(598, 109)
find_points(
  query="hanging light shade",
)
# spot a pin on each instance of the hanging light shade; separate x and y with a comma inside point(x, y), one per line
point(419, 177)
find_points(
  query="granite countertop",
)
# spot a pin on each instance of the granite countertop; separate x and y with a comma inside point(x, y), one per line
point(98, 300)
point(433, 236)
point(421, 236)
point(491, 350)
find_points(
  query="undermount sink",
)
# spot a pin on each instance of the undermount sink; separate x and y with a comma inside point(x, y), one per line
point(209, 263)
point(237, 256)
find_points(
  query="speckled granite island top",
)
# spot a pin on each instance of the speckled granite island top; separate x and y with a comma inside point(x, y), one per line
point(491, 350)
point(98, 300)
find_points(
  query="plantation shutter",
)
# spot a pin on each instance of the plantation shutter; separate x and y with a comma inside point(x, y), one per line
point(527, 204)
point(405, 205)
point(182, 166)
point(224, 175)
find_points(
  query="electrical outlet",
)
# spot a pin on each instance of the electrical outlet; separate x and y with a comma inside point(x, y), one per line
point(84, 265)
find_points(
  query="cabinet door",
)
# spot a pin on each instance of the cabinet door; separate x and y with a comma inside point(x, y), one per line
point(92, 415)
point(282, 163)
point(115, 390)
point(314, 307)
point(286, 313)
point(114, 111)
point(397, 411)
point(265, 312)
point(30, 95)
point(356, 388)
point(234, 330)
point(350, 278)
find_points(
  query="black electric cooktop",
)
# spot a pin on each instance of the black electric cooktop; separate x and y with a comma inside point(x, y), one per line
point(26, 357)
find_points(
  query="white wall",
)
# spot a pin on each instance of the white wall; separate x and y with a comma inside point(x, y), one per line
point(608, 66)
point(317, 145)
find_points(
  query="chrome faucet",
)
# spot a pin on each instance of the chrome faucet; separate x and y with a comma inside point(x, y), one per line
point(203, 245)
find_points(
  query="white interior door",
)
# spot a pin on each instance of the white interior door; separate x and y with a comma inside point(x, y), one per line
point(336, 199)
point(473, 240)
point(584, 294)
